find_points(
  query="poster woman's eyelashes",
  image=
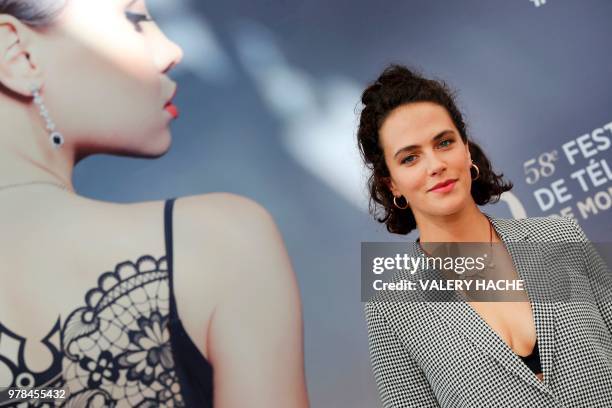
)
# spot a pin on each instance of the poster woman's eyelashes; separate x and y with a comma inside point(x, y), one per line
point(137, 18)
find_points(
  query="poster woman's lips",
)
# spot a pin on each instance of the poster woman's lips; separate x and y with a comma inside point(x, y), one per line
point(172, 110)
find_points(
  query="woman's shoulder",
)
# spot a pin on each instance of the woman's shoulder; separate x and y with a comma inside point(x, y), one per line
point(544, 229)
point(232, 223)
point(232, 236)
point(222, 211)
point(207, 229)
point(226, 249)
point(224, 231)
point(226, 216)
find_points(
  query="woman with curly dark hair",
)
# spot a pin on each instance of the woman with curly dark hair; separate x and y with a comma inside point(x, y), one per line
point(427, 174)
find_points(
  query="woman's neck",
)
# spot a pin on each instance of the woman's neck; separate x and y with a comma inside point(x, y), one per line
point(467, 225)
point(26, 155)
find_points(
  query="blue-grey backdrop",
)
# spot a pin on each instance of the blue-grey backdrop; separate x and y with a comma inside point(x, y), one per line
point(269, 96)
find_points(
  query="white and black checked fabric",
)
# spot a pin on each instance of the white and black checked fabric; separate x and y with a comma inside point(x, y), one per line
point(443, 354)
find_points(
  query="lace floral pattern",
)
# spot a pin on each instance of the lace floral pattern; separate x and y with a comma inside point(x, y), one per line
point(149, 351)
point(115, 350)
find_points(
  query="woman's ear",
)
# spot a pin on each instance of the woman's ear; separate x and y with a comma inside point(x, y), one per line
point(19, 71)
point(391, 186)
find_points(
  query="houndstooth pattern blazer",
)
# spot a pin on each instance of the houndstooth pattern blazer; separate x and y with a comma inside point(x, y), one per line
point(443, 354)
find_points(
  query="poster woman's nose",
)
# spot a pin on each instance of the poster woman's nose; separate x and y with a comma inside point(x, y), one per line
point(170, 54)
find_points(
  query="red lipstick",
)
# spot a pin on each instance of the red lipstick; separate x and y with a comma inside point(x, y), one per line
point(171, 107)
point(172, 110)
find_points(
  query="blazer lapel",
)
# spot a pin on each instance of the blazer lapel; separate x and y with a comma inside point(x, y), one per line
point(462, 318)
point(528, 262)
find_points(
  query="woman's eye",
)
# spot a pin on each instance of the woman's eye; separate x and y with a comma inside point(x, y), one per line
point(408, 159)
point(446, 143)
point(137, 18)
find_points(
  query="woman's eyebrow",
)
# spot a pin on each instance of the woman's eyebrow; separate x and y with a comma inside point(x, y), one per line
point(433, 139)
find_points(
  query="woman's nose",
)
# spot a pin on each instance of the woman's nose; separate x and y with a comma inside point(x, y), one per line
point(169, 54)
point(176, 54)
point(435, 166)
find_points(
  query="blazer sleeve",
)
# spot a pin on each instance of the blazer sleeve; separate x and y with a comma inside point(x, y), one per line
point(599, 275)
point(400, 381)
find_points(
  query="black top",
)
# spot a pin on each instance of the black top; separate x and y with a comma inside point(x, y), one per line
point(194, 372)
point(533, 360)
point(124, 345)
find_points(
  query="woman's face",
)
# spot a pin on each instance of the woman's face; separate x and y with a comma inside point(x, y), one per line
point(104, 77)
point(422, 148)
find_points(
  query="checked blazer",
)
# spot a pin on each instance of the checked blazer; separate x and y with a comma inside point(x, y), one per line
point(443, 354)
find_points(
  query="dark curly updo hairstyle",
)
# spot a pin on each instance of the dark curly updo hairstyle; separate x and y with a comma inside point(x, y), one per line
point(398, 86)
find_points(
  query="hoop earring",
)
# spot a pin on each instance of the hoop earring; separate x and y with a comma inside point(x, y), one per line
point(477, 172)
point(395, 203)
point(55, 138)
